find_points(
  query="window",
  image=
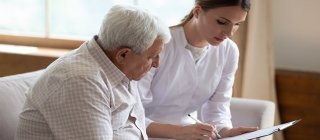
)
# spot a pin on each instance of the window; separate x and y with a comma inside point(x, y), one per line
point(170, 11)
point(75, 19)
point(21, 17)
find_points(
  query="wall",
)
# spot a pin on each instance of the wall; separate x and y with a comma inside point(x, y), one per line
point(11, 64)
point(296, 41)
point(298, 94)
point(296, 34)
point(20, 59)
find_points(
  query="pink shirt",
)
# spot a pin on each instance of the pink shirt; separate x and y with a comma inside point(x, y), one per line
point(82, 96)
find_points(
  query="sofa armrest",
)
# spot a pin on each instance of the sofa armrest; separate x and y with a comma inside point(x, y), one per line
point(12, 97)
point(252, 112)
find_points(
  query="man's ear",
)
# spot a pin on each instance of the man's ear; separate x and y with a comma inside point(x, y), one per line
point(196, 11)
point(122, 54)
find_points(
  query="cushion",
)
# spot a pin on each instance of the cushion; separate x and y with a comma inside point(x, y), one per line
point(252, 112)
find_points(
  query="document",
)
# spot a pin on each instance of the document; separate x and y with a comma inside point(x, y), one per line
point(261, 132)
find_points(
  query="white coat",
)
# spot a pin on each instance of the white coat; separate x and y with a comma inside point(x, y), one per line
point(180, 86)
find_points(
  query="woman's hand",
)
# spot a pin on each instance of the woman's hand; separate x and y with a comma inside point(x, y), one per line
point(230, 132)
point(198, 131)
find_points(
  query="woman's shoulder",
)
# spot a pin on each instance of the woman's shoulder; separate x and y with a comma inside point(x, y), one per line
point(177, 31)
point(229, 45)
point(176, 44)
point(177, 35)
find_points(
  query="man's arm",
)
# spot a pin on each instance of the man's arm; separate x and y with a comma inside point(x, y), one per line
point(79, 109)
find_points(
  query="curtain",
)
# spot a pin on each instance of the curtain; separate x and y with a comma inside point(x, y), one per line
point(256, 73)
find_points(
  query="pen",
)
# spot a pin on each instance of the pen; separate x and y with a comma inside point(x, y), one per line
point(215, 132)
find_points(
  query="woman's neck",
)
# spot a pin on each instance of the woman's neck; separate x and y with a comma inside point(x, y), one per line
point(193, 36)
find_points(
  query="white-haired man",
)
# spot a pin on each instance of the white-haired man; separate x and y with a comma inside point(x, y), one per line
point(87, 94)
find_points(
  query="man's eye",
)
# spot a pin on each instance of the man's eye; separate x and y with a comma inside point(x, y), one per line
point(152, 57)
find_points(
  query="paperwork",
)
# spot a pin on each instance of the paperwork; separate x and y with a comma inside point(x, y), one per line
point(261, 132)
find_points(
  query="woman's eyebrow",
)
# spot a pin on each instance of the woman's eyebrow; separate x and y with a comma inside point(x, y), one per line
point(229, 21)
point(225, 19)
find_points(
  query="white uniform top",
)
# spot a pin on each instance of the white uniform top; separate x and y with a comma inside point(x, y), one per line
point(180, 86)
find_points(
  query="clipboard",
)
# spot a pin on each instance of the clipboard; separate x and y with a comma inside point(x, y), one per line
point(262, 132)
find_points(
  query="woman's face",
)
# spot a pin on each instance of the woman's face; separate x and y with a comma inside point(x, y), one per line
point(215, 25)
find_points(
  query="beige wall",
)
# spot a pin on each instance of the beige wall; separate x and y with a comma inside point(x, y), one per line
point(296, 34)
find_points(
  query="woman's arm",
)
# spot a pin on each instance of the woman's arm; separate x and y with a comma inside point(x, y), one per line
point(198, 131)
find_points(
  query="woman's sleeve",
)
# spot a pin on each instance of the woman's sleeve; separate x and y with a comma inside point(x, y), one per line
point(217, 110)
point(144, 89)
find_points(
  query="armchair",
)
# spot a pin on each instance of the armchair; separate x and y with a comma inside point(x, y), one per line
point(252, 112)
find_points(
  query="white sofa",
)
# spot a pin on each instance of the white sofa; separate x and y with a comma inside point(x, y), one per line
point(245, 112)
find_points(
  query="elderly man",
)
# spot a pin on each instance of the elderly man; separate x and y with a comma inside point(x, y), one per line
point(87, 94)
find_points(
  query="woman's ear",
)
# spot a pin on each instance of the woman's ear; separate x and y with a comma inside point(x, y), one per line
point(122, 54)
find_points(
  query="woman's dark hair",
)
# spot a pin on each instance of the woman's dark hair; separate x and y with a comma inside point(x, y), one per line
point(211, 4)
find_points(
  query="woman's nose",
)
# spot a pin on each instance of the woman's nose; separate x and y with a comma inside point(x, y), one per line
point(229, 31)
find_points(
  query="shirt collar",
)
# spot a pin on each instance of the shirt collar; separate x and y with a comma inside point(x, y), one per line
point(181, 33)
point(118, 77)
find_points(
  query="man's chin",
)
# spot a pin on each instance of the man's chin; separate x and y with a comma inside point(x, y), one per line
point(139, 77)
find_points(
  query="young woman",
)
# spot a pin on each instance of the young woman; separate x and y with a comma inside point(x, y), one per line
point(196, 75)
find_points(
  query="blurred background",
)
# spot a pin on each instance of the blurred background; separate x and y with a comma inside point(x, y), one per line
point(33, 33)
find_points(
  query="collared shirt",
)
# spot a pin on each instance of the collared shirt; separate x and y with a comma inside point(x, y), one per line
point(180, 87)
point(196, 52)
point(82, 96)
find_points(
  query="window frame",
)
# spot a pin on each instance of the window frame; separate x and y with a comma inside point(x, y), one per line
point(46, 41)
point(40, 41)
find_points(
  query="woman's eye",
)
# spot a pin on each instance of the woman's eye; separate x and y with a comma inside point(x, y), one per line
point(238, 24)
point(221, 22)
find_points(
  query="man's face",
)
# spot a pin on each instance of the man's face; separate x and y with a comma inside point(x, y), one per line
point(135, 66)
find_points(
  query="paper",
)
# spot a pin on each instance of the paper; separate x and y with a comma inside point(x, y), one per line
point(261, 132)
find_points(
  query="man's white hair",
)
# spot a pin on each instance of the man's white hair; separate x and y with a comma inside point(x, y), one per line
point(133, 27)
